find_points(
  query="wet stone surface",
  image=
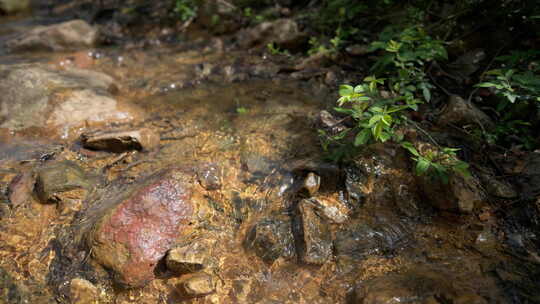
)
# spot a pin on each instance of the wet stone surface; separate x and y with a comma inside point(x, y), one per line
point(135, 233)
point(272, 238)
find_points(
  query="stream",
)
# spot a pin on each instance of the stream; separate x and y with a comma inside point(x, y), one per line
point(228, 198)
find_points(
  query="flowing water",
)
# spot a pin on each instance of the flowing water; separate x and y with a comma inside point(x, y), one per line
point(260, 131)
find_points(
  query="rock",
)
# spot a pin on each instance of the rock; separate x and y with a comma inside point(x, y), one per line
point(83, 292)
point(54, 180)
point(315, 61)
point(134, 228)
point(461, 112)
point(371, 233)
point(316, 237)
point(497, 187)
point(142, 139)
point(381, 176)
point(529, 180)
point(284, 32)
point(271, 238)
point(199, 284)
point(57, 103)
point(14, 6)
point(210, 177)
point(189, 257)
point(466, 64)
point(460, 194)
point(357, 50)
point(20, 189)
point(331, 123)
point(70, 35)
point(218, 16)
point(469, 298)
point(312, 183)
point(332, 209)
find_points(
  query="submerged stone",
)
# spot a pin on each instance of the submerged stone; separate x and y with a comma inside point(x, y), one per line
point(312, 183)
point(83, 292)
point(188, 258)
point(316, 236)
point(54, 179)
point(272, 238)
point(141, 225)
point(210, 177)
point(199, 284)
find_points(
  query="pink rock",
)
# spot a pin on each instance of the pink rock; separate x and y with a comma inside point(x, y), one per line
point(142, 225)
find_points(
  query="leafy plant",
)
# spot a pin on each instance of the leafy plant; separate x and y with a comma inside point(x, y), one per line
point(405, 56)
point(274, 49)
point(376, 117)
point(438, 162)
point(186, 9)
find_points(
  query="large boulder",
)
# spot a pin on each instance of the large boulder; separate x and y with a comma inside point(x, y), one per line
point(14, 6)
point(462, 112)
point(70, 35)
point(58, 103)
point(137, 226)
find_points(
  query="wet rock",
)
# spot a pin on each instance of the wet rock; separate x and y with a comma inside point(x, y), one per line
point(64, 36)
point(271, 238)
point(199, 284)
point(219, 16)
point(55, 179)
point(10, 292)
point(330, 123)
point(20, 189)
point(210, 177)
point(461, 112)
point(189, 257)
point(142, 139)
point(284, 32)
point(373, 233)
point(315, 61)
point(332, 209)
point(357, 50)
point(467, 64)
point(460, 194)
point(57, 103)
point(468, 298)
point(14, 6)
point(380, 177)
point(83, 292)
point(312, 183)
point(529, 179)
point(135, 227)
point(316, 237)
point(497, 187)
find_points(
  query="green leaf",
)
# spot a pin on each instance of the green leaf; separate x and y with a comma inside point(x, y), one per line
point(362, 137)
point(485, 85)
point(387, 119)
point(344, 110)
point(384, 136)
point(373, 120)
point(422, 166)
point(377, 130)
point(359, 89)
point(427, 93)
point(410, 147)
point(345, 90)
point(376, 109)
